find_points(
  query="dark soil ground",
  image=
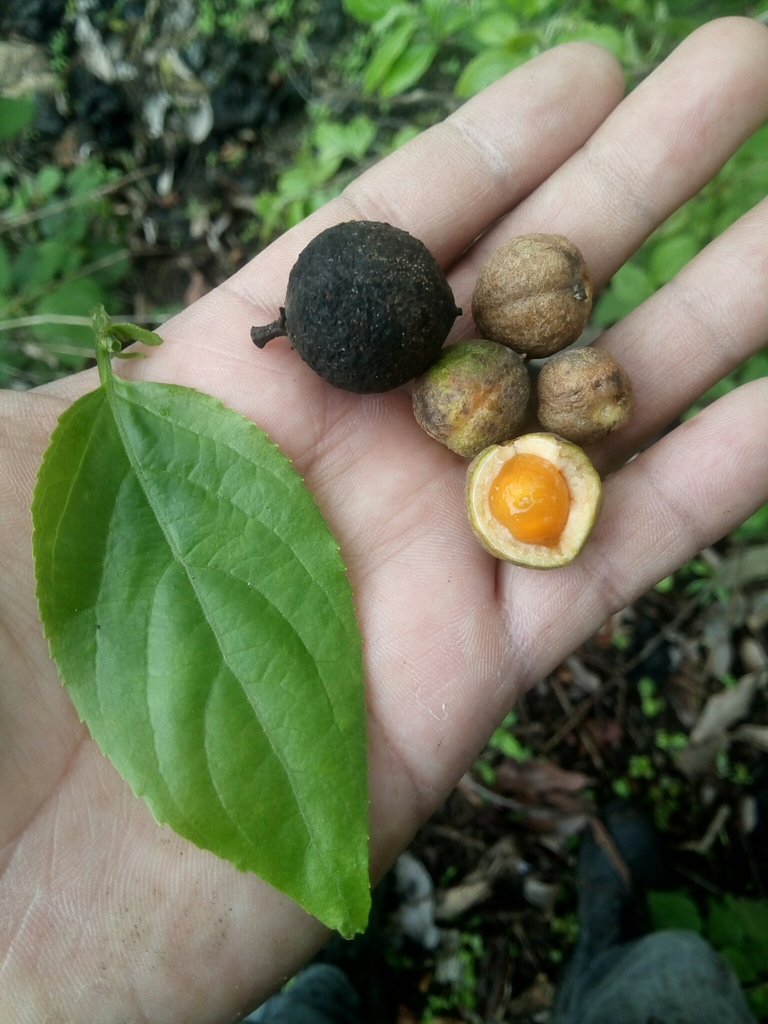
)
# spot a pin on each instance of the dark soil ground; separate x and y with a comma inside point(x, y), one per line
point(629, 714)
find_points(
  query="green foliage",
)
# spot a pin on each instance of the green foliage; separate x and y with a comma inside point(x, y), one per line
point(641, 767)
point(62, 251)
point(227, 17)
point(506, 743)
point(651, 704)
point(313, 179)
point(674, 910)
point(491, 37)
point(201, 619)
point(739, 186)
point(15, 116)
point(462, 995)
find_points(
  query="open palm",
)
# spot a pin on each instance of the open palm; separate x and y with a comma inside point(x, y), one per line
point(106, 915)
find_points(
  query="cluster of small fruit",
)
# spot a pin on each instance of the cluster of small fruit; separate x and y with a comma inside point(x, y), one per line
point(369, 308)
point(532, 498)
point(532, 299)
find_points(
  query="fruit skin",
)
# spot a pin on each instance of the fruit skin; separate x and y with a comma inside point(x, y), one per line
point(477, 393)
point(534, 294)
point(583, 484)
point(584, 394)
point(367, 307)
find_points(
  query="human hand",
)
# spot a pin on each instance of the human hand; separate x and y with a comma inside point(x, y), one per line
point(108, 915)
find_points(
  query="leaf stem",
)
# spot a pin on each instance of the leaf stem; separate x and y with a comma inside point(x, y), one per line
point(105, 344)
point(62, 319)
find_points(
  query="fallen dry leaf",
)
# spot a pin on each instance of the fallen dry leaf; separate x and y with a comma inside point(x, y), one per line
point(746, 566)
point(724, 709)
point(530, 780)
point(697, 758)
point(714, 829)
point(755, 735)
point(502, 860)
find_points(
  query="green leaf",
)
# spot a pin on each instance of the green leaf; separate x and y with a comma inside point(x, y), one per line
point(201, 619)
point(673, 910)
point(48, 180)
point(754, 527)
point(486, 68)
point(409, 68)
point(670, 256)
point(445, 18)
point(496, 29)
point(76, 298)
point(386, 53)
point(631, 285)
point(403, 135)
point(15, 116)
point(758, 1000)
point(743, 968)
point(603, 35)
point(38, 264)
point(337, 142)
point(753, 915)
point(132, 332)
point(723, 925)
point(367, 11)
point(5, 270)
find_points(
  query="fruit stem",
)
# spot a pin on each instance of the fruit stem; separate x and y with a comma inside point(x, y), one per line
point(261, 335)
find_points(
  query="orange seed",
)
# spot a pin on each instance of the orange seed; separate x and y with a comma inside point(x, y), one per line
point(531, 498)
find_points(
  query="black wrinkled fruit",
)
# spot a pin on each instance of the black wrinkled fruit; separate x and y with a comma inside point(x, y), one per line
point(367, 307)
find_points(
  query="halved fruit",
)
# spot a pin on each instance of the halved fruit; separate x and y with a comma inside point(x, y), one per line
point(533, 501)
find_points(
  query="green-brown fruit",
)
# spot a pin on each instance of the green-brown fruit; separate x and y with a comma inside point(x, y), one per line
point(534, 294)
point(477, 393)
point(584, 394)
point(533, 501)
point(367, 307)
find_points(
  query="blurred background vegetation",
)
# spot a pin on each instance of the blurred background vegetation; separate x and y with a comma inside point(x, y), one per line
point(148, 149)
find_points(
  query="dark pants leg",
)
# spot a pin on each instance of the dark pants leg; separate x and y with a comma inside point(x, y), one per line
point(321, 994)
point(669, 977)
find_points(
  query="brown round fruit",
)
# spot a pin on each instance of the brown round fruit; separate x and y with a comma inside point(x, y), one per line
point(477, 393)
point(584, 394)
point(533, 501)
point(534, 294)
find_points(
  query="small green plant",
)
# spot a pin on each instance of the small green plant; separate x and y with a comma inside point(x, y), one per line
point(622, 787)
point(650, 703)
point(641, 767)
point(478, 43)
point(506, 743)
point(665, 795)
point(460, 992)
point(15, 116)
point(62, 250)
point(313, 179)
point(673, 742)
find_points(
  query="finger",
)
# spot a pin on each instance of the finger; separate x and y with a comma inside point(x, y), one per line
point(452, 181)
point(707, 320)
point(656, 150)
point(687, 491)
point(445, 187)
